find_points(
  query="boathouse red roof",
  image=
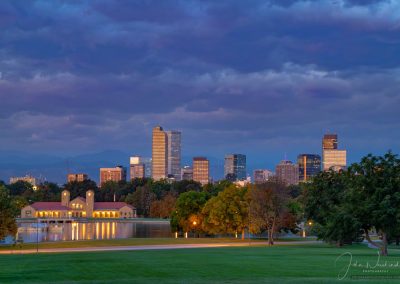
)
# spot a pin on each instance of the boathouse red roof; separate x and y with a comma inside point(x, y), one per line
point(110, 205)
point(49, 206)
point(97, 206)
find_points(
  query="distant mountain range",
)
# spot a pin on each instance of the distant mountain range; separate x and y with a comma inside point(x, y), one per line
point(55, 168)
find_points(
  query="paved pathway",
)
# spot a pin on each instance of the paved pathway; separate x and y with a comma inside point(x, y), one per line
point(149, 247)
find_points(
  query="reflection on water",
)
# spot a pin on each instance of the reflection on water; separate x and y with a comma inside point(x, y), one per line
point(102, 230)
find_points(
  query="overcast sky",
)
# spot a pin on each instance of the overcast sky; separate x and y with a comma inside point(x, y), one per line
point(263, 78)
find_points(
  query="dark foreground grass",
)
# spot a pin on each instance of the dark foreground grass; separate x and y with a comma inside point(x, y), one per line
point(280, 264)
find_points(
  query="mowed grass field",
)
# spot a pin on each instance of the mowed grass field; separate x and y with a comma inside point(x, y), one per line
point(137, 242)
point(311, 263)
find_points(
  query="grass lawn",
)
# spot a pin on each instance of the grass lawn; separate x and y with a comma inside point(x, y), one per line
point(122, 242)
point(136, 242)
point(311, 263)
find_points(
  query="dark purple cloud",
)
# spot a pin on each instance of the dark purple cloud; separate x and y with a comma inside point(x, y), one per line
point(258, 77)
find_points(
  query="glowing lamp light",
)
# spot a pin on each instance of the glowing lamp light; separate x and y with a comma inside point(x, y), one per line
point(194, 223)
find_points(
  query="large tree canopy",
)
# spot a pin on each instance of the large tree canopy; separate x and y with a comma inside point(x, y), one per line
point(347, 204)
point(8, 211)
point(227, 212)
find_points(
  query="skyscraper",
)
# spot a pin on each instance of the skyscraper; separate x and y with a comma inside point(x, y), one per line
point(187, 173)
point(287, 172)
point(174, 154)
point(112, 174)
point(335, 160)
point(77, 177)
point(136, 167)
point(261, 175)
point(309, 166)
point(235, 167)
point(201, 170)
point(159, 154)
point(332, 158)
point(330, 141)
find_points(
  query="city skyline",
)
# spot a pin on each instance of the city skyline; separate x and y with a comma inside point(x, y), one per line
point(263, 78)
point(234, 165)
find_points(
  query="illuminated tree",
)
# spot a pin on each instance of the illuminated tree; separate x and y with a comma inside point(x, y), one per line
point(227, 212)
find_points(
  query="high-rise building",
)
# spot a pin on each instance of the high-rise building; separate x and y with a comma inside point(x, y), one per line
point(235, 167)
point(187, 173)
point(136, 167)
point(112, 174)
point(287, 172)
point(159, 154)
point(335, 160)
point(29, 179)
point(201, 170)
point(262, 175)
point(174, 154)
point(332, 158)
point(330, 141)
point(77, 177)
point(309, 166)
point(147, 167)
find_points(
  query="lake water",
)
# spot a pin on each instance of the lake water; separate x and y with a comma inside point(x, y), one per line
point(94, 230)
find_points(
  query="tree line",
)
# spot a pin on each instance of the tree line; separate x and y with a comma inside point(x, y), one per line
point(348, 206)
point(343, 207)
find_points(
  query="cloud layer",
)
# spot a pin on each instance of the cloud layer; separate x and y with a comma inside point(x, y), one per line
point(257, 77)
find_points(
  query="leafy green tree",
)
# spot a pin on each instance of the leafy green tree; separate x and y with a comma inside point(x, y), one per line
point(185, 186)
point(227, 212)
point(159, 188)
point(272, 209)
point(47, 191)
point(215, 188)
point(20, 188)
point(79, 189)
point(109, 190)
point(187, 211)
point(8, 211)
point(163, 208)
point(326, 200)
point(374, 196)
point(141, 199)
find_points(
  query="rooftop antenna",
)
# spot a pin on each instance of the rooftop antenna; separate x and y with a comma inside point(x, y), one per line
point(285, 157)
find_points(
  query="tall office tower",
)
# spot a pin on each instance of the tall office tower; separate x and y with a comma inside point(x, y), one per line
point(309, 166)
point(174, 154)
point(136, 167)
point(159, 154)
point(261, 175)
point(335, 160)
point(112, 174)
point(330, 141)
point(332, 158)
point(235, 167)
point(201, 170)
point(187, 173)
point(287, 172)
point(77, 177)
point(147, 167)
